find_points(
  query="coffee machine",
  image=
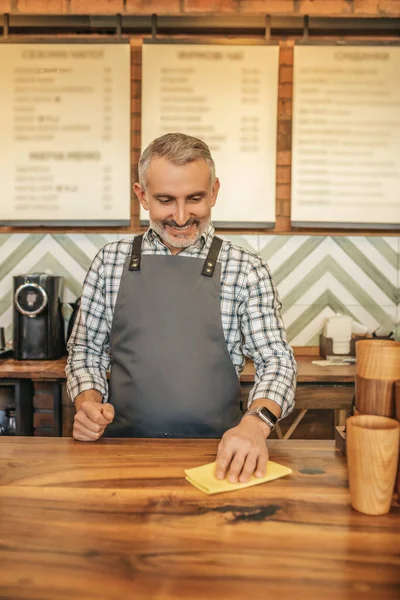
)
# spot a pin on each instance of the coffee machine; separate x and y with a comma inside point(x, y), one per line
point(38, 326)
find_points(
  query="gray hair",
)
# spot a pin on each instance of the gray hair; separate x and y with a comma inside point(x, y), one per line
point(179, 149)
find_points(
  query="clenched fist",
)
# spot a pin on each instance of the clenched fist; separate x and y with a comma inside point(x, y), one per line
point(91, 419)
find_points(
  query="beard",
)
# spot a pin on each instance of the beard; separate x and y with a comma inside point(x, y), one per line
point(184, 240)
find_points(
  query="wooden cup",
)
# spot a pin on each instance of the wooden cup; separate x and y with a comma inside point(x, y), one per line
point(378, 359)
point(374, 396)
point(397, 410)
point(372, 458)
point(377, 368)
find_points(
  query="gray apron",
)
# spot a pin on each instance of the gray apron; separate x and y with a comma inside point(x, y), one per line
point(171, 372)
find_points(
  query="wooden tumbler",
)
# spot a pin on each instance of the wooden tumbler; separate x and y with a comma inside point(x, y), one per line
point(374, 397)
point(397, 397)
point(377, 368)
point(372, 457)
point(378, 359)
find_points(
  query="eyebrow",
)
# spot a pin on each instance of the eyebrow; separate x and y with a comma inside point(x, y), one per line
point(201, 193)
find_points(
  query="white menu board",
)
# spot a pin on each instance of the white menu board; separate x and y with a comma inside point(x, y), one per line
point(227, 96)
point(65, 133)
point(346, 136)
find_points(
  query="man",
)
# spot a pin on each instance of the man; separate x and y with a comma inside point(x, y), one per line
point(174, 312)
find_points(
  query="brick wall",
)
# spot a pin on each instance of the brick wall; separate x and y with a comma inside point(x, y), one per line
point(274, 7)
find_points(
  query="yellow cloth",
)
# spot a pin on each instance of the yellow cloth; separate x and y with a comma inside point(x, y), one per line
point(204, 478)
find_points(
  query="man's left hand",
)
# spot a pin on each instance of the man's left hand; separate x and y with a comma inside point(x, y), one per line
point(243, 451)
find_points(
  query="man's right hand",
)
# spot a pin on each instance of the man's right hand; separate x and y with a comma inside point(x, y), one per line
point(92, 416)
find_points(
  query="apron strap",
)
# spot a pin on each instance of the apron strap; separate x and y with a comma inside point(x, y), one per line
point(134, 264)
point(211, 260)
point(209, 263)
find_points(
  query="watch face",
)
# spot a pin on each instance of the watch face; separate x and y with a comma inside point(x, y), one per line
point(268, 416)
point(30, 299)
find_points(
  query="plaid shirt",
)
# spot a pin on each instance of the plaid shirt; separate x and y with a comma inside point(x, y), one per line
point(250, 310)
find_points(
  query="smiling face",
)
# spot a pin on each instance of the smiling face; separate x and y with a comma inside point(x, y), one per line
point(179, 199)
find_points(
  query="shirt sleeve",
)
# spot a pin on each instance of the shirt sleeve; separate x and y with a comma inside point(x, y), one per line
point(88, 345)
point(265, 341)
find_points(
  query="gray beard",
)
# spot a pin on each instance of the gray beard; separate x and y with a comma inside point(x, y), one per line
point(183, 242)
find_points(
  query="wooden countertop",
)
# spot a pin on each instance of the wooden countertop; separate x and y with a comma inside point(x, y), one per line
point(116, 519)
point(55, 369)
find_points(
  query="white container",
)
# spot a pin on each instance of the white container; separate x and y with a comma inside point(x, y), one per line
point(339, 328)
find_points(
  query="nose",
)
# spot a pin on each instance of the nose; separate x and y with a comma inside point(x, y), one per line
point(181, 216)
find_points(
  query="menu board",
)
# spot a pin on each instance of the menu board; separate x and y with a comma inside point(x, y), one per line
point(227, 96)
point(346, 136)
point(65, 133)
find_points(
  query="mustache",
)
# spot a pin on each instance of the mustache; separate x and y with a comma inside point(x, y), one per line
point(175, 225)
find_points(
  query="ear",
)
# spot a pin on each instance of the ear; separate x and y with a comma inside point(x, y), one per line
point(141, 195)
point(214, 192)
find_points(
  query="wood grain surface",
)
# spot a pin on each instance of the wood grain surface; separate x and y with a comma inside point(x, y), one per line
point(117, 520)
point(372, 448)
point(55, 369)
point(375, 396)
point(378, 359)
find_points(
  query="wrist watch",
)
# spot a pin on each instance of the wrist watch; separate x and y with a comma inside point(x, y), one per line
point(265, 414)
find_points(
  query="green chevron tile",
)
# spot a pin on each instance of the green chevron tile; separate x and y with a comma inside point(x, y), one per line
point(23, 249)
point(273, 246)
point(251, 244)
point(7, 298)
point(6, 322)
point(294, 261)
point(389, 288)
point(327, 299)
point(4, 237)
point(77, 254)
point(48, 263)
point(398, 277)
point(3, 307)
point(98, 240)
point(311, 312)
point(314, 341)
point(8, 334)
point(324, 266)
point(383, 247)
point(302, 321)
point(328, 264)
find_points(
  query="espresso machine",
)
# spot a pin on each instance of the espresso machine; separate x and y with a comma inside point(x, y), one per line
point(38, 325)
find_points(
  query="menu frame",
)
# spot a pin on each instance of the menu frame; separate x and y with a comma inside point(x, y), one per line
point(326, 225)
point(226, 224)
point(78, 223)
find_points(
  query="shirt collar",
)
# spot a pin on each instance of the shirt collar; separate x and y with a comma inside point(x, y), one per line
point(203, 242)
